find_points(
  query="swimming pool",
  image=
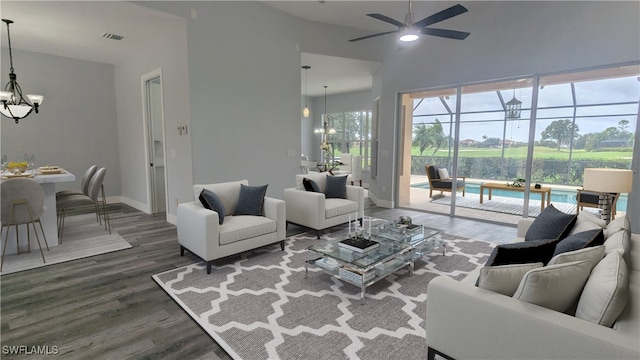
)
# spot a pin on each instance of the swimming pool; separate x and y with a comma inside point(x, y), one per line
point(557, 195)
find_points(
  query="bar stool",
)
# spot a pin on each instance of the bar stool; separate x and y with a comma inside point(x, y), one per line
point(22, 204)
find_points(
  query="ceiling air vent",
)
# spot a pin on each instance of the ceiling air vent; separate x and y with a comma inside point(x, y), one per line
point(112, 36)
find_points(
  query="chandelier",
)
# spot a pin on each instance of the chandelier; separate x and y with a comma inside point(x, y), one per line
point(14, 104)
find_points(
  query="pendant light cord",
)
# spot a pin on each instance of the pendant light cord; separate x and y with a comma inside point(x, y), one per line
point(9, 40)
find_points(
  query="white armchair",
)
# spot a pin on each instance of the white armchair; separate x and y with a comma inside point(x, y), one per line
point(200, 232)
point(314, 210)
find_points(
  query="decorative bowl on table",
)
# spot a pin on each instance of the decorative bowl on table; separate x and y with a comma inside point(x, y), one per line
point(17, 168)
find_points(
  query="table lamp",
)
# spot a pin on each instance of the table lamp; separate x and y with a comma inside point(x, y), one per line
point(607, 181)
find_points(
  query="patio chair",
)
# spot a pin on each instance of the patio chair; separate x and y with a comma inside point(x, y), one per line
point(442, 183)
point(591, 198)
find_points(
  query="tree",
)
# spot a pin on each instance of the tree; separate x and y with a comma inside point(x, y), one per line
point(429, 137)
point(562, 131)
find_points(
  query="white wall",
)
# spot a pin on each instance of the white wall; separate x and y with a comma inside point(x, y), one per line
point(76, 126)
point(169, 53)
point(507, 39)
point(244, 73)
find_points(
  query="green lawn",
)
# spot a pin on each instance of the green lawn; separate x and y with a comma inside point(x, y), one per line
point(539, 153)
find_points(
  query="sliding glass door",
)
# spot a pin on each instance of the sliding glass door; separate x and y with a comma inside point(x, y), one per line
point(532, 131)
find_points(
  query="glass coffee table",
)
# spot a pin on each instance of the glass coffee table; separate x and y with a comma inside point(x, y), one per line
point(398, 247)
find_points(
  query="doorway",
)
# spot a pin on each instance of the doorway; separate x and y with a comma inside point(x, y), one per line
point(154, 124)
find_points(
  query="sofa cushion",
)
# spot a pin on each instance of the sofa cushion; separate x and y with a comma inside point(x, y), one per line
point(336, 187)
point(580, 240)
point(211, 201)
point(622, 222)
point(619, 242)
point(550, 224)
point(583, 224)
point(251, 200)
point(504, 279)
point(337, 207)
point(310, 185)
point(241, 227)
point(606, 292)
point(586, 216)
point(594, 254)
point(524, 252)
point(556, 287)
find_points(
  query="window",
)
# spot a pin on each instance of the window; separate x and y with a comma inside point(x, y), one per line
point(353, 135)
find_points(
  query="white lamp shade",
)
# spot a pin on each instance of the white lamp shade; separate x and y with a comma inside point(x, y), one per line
point(5, 95)
point(36, 99)
point(608, 180)
point(305, 112)
point(17, 111)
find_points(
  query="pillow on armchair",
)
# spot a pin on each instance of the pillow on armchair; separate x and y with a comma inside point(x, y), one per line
point(211, 201)
point(251, 200)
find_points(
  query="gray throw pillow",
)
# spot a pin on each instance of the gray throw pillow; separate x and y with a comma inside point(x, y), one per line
point(579, 241)
point(550, 224)
point(211, 201)
point(336, 187)
point(251, 200)
point(524, 252)
point(310, 185)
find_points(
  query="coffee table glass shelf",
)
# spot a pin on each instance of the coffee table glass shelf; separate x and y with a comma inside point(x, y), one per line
point(400, 246)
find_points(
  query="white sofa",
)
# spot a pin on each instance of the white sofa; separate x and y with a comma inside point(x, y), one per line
point(467, 322)
point(200, 232)
point(315, 211)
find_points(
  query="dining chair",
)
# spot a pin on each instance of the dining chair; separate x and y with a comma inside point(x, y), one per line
point(84, 186)
point(356, 170)
point(95, 196)
point(22, 204)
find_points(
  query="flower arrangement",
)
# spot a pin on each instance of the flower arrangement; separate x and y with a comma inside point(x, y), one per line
point(22, 166)
point(326, 149)
point(517, 182)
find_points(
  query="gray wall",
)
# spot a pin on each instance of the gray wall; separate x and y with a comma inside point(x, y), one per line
point(244, 84)
point(76, 126)
point(508, 39)
point(169, 53)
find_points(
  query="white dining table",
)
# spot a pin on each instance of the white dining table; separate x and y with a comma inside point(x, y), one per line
point(48, 218)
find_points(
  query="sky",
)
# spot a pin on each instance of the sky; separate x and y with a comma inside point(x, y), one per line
point(590, 93)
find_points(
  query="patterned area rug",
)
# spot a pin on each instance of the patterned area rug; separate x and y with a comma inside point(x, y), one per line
point(259, 305)
point(505, 205)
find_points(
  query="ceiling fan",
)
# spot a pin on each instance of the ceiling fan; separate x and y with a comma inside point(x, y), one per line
point(410, 30)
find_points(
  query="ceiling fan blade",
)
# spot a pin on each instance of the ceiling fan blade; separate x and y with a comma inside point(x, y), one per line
point(449, 34)
point(442, 15)
point(374, 35)
point(387, 19)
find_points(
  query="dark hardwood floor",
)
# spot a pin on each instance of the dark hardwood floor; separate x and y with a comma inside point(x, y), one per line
point(108, 307)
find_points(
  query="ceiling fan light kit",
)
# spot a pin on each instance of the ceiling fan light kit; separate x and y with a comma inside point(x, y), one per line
point(411, 30)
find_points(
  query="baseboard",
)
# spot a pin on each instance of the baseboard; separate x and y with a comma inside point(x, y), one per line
point(380, 203)
point(172, 219)
point(134, 204)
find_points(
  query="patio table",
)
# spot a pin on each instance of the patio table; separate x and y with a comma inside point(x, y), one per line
point(543, 191)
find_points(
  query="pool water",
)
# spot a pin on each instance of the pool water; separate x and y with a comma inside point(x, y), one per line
point(557, 195)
